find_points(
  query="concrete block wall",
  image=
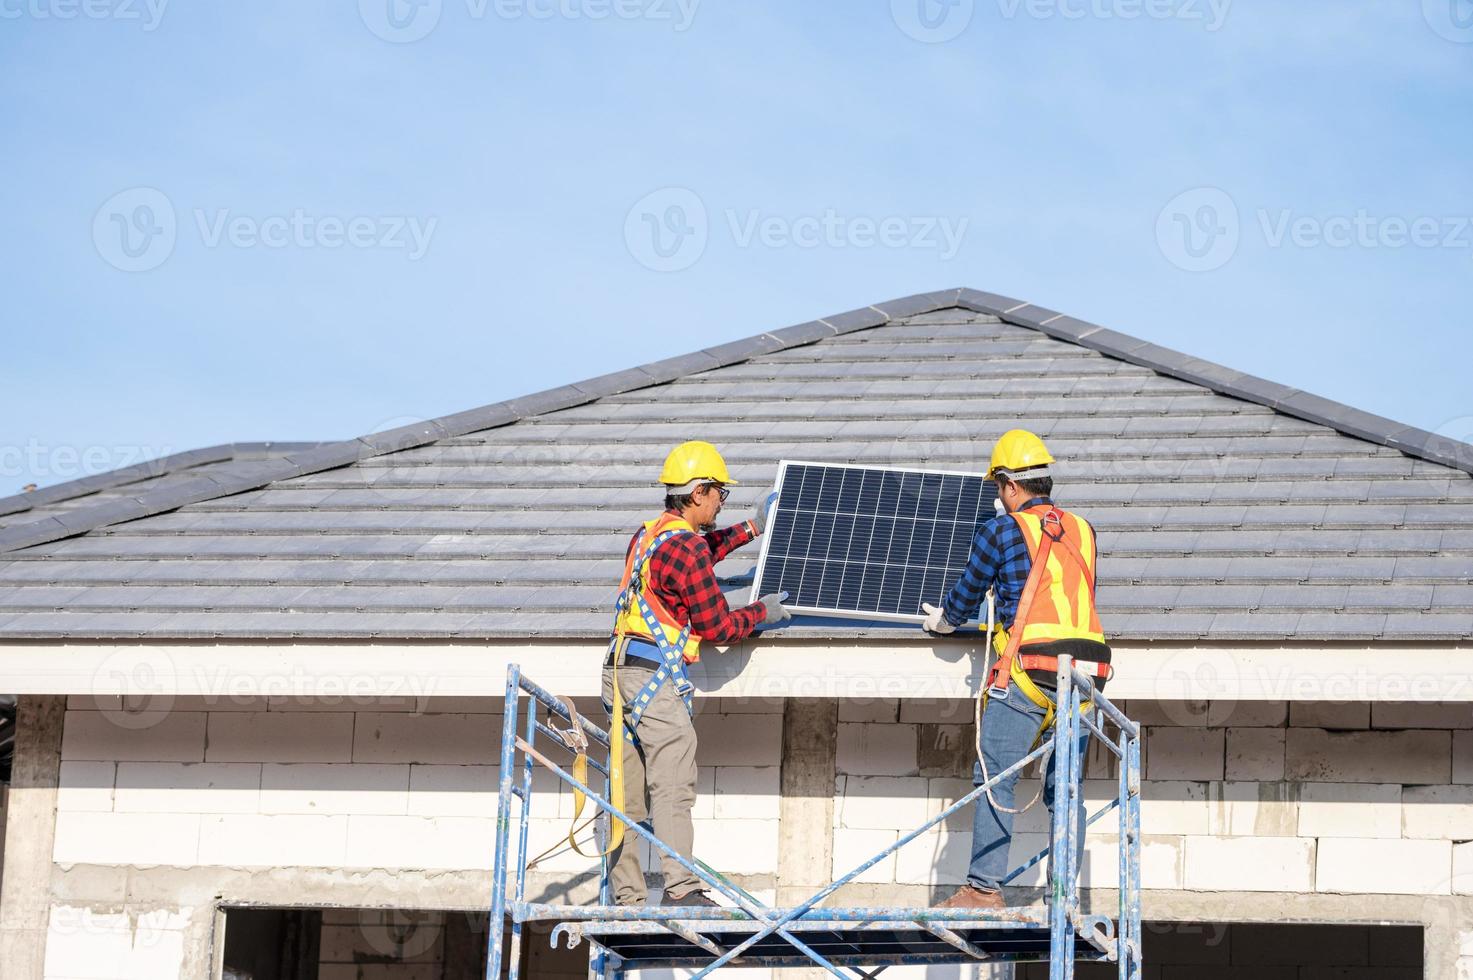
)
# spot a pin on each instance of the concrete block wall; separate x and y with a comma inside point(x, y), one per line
point(1268, 798)
point(319, 784)
point(1237, 797)
point(87, 944)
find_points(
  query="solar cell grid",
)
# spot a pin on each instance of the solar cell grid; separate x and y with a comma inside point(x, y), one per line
point(866, 542)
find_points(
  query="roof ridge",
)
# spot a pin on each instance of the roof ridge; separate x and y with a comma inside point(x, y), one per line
point(331, 455)
point(1295, 402)
point(326, 456)
point(19, 503)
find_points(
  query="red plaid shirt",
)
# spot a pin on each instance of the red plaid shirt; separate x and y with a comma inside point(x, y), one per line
point(681, 574)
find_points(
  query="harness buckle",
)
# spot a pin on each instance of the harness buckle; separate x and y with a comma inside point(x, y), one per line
point(1054, 518)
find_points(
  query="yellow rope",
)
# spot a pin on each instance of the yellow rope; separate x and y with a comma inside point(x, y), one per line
point(616, 771)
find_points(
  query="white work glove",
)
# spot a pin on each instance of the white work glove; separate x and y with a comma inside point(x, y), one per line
point(759, 519)
point(776, 611)
point(936, 620)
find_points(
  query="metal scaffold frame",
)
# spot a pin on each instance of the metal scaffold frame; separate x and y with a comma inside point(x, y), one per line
point(862, 941)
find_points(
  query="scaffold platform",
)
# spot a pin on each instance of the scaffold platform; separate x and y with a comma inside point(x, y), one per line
point(851, 943)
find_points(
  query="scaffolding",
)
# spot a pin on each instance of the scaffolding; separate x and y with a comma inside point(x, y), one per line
point(863, 941)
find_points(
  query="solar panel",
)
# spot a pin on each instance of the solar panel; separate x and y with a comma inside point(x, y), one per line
point(866, 542)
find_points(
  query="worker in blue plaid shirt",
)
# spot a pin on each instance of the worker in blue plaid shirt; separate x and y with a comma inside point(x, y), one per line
point(1062, 620)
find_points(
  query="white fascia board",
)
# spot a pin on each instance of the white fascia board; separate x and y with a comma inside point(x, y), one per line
point(1432, 672)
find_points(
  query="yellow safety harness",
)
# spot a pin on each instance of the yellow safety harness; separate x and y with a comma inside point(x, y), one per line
point(634, 614)
point(1011, 667)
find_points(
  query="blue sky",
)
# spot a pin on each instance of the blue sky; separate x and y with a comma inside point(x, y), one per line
point(311, 221)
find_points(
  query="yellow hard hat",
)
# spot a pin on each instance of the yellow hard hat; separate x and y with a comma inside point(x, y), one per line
point(1018, 450)
point(693, 461)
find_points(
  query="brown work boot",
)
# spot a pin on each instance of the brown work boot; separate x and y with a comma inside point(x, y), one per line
point(695, 899)
point(968, 897)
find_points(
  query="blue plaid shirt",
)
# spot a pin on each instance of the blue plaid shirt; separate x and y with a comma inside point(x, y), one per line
point(1000, 561)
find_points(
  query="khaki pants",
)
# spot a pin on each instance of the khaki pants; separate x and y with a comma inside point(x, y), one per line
point(659, 782)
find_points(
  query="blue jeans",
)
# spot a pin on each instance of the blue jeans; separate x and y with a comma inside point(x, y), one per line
point(1008, 729)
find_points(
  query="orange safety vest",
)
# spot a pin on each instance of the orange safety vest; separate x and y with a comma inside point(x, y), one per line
point(630, 621)
point(1064, 606)
point(1058, 601)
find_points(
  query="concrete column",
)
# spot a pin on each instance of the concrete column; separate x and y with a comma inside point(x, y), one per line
point(1447, 941)
point(805, 856)
point(806, 818)
point(30, 830)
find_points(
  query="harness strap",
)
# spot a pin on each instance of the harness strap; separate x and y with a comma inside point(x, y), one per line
point(672, 654)
point(1039, 661)
point(1084, 569)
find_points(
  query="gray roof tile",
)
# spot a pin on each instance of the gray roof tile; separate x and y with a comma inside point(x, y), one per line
point(1247, 625)
point(1218, 597)
point(1186, 569)
point(1342, 625)
point(1399, 597)
point(1447, 568)
point(1354, 569)
point(1458, 597)
point(1163, 626)
point(1426, 626)
point(1271, 568)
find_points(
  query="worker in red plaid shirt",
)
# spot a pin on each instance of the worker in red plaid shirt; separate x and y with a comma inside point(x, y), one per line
point(669, 601)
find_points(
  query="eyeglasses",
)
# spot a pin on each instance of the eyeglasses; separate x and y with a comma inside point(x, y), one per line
point(719, 489)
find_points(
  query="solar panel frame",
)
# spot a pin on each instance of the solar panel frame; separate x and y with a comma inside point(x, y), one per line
point(987, 492)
